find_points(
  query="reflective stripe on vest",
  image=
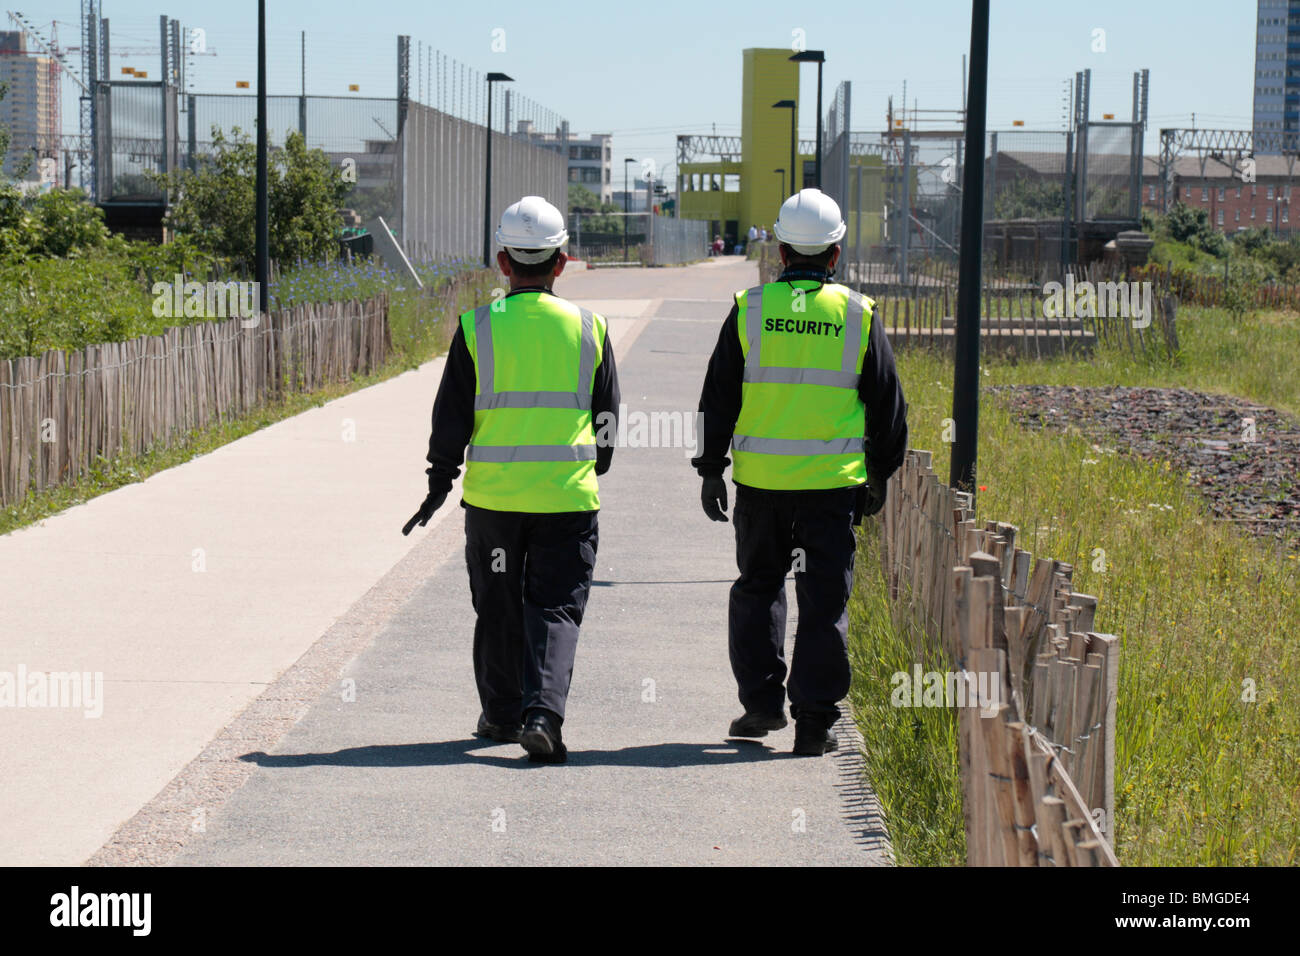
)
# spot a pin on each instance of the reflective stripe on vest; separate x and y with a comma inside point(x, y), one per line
point(798, 446)
point(489, 397)
point(801, 420)
point(506, 453)
point(533, 448)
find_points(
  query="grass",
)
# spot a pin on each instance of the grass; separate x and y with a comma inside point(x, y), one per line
point(1251, 358)
point(911, 751)
point(422, 327)
point(1206, 616)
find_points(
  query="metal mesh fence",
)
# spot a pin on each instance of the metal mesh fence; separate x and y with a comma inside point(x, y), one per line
point(417, 159)
point(358, 135)
point(455, 89)
point(1029, 200)
point(1026, 176)
point(133, 120)
point(1111, 187)
point(599, 237)
point(675, 241)
point(442, 159)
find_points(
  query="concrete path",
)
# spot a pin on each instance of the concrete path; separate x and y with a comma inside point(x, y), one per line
point(308, 697)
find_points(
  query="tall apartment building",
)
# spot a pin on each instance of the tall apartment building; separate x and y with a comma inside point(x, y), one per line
point(1277, 68)
point(590, 158)
point(30, 108)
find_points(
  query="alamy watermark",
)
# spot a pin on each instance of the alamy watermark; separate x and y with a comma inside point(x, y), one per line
point(82, 690)
point(1104, 300)
point(641, 429)
point(947, 689)
point(207, 300)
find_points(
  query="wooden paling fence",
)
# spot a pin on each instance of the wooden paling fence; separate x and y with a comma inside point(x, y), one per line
point(1194, 288)
point(1037, 726)
point(63, 411)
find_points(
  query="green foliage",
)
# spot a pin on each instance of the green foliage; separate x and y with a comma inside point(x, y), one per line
point(1252, 241)
point(1029, 199)
point(63, 224)
point(51, 303)
point(1202, 777)
point(59, 223)
point(911, 751)
point(594, 214)
point(102, 294)
point(1192, 226)
point(1185, 239)
point(1184, 223)
point(1241, 290)
point(216, 204)
point(582, 199)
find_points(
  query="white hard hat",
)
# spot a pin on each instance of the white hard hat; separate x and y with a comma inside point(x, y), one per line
point(809, 222)
point(531, 230)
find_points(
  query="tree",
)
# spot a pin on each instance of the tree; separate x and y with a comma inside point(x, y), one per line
point(217, 203)
point(594, 213)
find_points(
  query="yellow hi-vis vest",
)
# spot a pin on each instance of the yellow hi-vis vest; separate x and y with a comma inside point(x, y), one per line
point(533, 448)
point(801, 420)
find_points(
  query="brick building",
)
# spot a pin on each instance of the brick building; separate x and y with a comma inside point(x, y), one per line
point(1232, 203)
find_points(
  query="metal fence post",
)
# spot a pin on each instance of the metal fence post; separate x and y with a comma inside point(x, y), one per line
point(857, 205)
point(905, 238)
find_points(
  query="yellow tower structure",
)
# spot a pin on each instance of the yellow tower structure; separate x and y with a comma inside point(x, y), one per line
point(769, 77)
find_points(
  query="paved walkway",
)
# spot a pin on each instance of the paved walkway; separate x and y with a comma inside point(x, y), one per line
point(308, 697)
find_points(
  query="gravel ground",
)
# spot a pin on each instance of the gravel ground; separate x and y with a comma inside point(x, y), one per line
point(1247, 478)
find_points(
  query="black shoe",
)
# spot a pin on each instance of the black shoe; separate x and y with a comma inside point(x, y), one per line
point(541, 738)
point(754, 724)
point(501, 733)
point(812, 738)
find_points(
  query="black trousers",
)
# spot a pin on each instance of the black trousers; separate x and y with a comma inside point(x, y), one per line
point(529, 577)
point(811, 531)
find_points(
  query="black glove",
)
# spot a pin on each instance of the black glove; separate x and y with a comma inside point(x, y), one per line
point(421, 517)
point(875, 497)
point(713, 496)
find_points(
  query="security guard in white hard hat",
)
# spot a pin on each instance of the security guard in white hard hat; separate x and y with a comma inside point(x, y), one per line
point(529, 383)
point(802, 387)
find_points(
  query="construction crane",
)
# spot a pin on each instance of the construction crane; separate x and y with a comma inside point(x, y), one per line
point(94, 51)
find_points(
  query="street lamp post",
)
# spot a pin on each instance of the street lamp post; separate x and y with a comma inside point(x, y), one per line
point(781, 199)
point(262, 239)
point(818, 57)
point(791, 106)
point(487, 175)
point(966, 347)
point(625, 207)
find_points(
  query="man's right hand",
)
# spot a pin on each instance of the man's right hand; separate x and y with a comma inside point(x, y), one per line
point(713, 496)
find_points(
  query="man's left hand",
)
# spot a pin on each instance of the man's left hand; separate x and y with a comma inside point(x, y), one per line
point(421, 517)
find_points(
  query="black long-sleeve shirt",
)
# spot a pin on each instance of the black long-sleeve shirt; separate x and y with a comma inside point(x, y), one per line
point(885, 428)
point(453, 408)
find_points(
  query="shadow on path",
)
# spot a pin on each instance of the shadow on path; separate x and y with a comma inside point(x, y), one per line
point(610, 584)
point(471, 751)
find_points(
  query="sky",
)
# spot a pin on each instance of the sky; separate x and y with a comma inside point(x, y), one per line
point(646, 72)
